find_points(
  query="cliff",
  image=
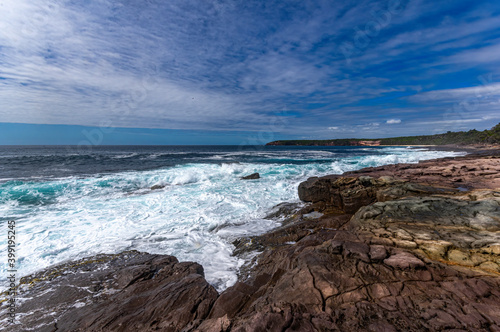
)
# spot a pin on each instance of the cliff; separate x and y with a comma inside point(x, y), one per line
point(471, 137)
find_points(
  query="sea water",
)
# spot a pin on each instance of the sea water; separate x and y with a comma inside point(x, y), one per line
point(69, 204)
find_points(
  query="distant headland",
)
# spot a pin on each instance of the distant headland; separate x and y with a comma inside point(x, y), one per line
point(470, 137)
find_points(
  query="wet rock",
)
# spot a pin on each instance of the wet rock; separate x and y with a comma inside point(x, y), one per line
point(253, 176)
point(284, 211)
point(131, 291)
point(158, 186)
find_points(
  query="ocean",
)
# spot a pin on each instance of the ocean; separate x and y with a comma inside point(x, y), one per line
point(69, 204)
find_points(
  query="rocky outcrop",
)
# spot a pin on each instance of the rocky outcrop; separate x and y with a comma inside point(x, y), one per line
point(253, 176)
point(131, 291)
point(456, 231)
point(346, 194)
point(335, 282)
point(464, 173)
point(416, 256)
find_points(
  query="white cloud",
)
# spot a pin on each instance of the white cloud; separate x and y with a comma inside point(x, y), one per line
point(170, 65)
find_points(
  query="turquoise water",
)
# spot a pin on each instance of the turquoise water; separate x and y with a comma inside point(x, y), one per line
point(68, 205)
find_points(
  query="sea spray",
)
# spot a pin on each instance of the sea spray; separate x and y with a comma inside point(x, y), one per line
point(103, 202)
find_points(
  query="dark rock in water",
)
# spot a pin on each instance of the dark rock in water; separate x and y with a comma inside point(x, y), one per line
point(253, 176)
point(131, 291)
point(158, 186)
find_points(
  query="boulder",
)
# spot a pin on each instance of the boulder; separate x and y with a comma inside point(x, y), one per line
point(131, 291)
point(253, 176)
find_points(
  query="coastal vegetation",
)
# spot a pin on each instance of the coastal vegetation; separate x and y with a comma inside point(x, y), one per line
point(491, 136)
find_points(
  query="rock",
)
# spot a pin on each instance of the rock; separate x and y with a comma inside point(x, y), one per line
point(377, 252)
point(458, 231)
point(253, 176)
point(467, 173)
point(341, 193)
point(131, 291)
point(348, 194)
point(158, 186)
point(342, 284)
point(284, 211)
point(404, 260)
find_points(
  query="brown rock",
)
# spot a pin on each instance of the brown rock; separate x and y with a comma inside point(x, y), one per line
point(130, 291)
point(404, 260)
point(331, 285)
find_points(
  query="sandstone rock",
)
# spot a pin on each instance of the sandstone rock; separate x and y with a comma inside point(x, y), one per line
point(348, 194)
point(342, 284)
point(404, 260)
point(468, 172)
point(460, 231)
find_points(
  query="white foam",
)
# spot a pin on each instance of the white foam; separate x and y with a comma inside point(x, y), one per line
point(195, 218)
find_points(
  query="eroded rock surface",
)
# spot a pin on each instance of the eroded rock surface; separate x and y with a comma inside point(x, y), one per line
point(131, 291)
point(333, 281)
point(420, 254)
point(458, 231)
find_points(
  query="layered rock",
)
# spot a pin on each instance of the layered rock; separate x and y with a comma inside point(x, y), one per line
point(457, 231)
point(466, 173)
point(416, 256)
point(333, 281)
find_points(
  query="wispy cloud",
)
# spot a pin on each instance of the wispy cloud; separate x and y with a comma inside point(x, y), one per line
point(235, 65)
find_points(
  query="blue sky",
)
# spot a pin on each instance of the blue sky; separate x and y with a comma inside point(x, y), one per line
point(244, 72)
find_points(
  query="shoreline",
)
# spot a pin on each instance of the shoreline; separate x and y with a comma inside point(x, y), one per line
point(363, 222)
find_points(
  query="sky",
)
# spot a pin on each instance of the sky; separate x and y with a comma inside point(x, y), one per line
point(245, 72)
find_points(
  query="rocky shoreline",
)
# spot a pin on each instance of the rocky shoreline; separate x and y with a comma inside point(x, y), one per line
point(407, 247)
